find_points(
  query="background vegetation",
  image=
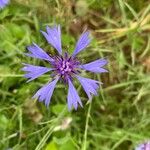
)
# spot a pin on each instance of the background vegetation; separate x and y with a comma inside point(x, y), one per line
point(119, 117)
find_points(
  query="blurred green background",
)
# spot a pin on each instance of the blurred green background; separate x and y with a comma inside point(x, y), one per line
point(119, 117)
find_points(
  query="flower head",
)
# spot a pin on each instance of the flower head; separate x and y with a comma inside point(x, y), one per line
point(3, 3)
point(144, 146)
point(63, 67)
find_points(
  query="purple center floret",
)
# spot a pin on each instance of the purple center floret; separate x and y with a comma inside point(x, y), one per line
point(65, 66)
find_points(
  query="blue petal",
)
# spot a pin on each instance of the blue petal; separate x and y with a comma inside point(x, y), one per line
point(144, 146)
point(141, 147)
point(3, 3)
point(95, 66)
point(45, 93)
point(73, 97)
point(34, 72)
point(37, 52)
point(82, 43)
point(53, 36)
point(90, 86)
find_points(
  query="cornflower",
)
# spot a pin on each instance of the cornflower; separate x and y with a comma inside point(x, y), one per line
point(63, 67)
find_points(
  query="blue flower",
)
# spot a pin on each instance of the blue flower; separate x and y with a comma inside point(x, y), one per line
point(3, 3)
point(63, 67)
point(144, 146)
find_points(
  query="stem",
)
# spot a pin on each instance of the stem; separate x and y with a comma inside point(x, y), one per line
point(86, 127)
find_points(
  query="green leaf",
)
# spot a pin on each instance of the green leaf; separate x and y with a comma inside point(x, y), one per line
point(69, 43)
point(51, 146)
point(4, 13)
point(57, 109)
point(64, 143)
point(3, 122)
point(16, 30)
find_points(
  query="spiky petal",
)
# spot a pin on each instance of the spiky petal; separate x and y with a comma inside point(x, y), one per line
point(90, 86)
point(73, 97)
point(34, 72)
point(53, 36)
point(82, 43)
point(45, 93)
point(37, 52)
point(95, 66)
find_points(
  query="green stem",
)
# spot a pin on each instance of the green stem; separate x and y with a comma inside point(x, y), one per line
point(86, 127)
